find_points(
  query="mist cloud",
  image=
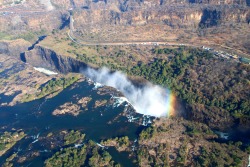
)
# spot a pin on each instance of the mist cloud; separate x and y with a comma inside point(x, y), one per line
point(148, 100)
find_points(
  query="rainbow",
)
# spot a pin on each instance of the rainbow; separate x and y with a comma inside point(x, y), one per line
point(171, 102)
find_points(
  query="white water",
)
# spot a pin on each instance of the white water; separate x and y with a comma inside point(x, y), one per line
point(45, 71)
point(149, 100)
point(249, 161)
point(97, 85)
point(119, 101)
point(100, 145)
point(78, 145)
point(35, 141)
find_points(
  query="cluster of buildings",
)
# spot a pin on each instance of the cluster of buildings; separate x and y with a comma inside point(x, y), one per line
point(226, 55)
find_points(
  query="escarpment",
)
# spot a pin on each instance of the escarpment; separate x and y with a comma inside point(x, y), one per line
point(49, 59)
point(149, 21)
point(174, 16)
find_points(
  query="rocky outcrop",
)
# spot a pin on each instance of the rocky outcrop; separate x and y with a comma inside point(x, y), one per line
point(67, 108)
point(47, 58)
point(126, 4)
point(214, 16)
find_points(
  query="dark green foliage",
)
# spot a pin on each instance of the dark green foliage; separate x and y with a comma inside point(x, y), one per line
point(54, 85)
point(2, 146)
point(123, 141)
point(72, 137)
point(220, 155)
point(88, 155)
point(207, 85)
point(62, 82)
point(68, 157)
point(147, 133)
point(9, 139)
point(182, 154)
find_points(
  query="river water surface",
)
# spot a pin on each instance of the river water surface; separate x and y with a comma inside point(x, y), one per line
point(36, 119)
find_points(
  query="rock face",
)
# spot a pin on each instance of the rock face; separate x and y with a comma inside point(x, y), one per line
point(159, 20)
point(48, 59)
point(174, 15)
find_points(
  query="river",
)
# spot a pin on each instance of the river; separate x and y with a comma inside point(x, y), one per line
point(36, 119)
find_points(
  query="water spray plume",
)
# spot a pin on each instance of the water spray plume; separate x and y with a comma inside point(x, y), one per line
point(148, 100)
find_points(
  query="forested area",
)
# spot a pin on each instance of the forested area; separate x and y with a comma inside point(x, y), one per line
point(215, 90)
point(88, 155)
point(195, 145)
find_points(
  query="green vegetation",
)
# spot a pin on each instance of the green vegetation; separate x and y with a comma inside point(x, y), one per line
point(54, 86)
point(147, 133)
point(194, 130)
point(208, 86)
point(68, 157)
point(73, 137)
point(28, 36)
point(121, 143)
point(88, 155)
point(9, 139)
point(220, 155)
point(171, 144)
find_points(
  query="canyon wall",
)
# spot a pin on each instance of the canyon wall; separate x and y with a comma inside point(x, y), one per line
point(174, 13)
point(47, 58)
point(180, 16)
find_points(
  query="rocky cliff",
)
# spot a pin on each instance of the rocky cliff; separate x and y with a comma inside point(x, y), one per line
point(175, 17)
point(39, 56)
point(47, 58)
point(174, 13)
